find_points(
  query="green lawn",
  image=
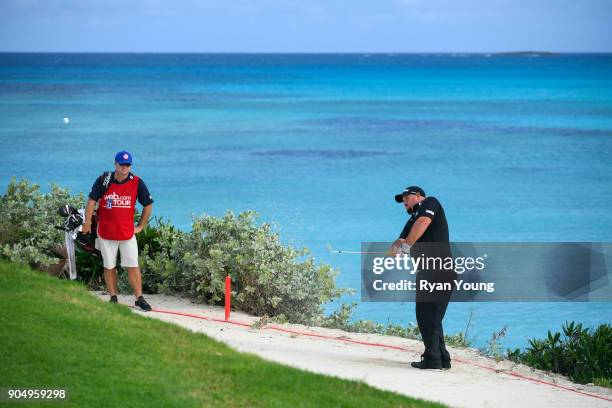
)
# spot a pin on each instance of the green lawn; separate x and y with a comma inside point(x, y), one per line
point(53, 334)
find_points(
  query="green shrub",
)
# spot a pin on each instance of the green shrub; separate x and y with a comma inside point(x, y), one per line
point(603, 382)
point(457, 340)
point(493, 347)
point(341, 319)
point(90, 270)
point(268, 278)
point(28, 219)
point(583, 354)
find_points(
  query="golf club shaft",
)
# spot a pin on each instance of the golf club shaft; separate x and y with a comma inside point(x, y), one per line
point(339, 251)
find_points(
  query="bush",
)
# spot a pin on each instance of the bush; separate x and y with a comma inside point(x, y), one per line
point(580, 353)
point(268, 278)
point(457, 340)
point(493, 348)
point(603, 382)
point(28, 219)
point(341, 319)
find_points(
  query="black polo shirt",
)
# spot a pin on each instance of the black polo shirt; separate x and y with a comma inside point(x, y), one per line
point(434, 242)
point(437, 230)
point(97, 190)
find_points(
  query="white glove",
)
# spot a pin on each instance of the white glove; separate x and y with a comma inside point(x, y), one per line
point(404, 249)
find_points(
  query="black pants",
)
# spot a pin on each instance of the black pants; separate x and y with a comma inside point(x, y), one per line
point(429, 318)
point(430, 311)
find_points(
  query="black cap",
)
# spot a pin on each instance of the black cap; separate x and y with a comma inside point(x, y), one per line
point(409, 190)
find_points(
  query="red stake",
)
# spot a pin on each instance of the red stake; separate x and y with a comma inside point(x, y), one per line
point(228, 297)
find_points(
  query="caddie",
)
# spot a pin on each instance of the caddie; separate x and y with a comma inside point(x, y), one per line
point(116, 194)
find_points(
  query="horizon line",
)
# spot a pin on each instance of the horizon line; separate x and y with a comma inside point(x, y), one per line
point(315, 52)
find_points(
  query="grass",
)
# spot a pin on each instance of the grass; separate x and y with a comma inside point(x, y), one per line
point(603, 382)
point(56, 335)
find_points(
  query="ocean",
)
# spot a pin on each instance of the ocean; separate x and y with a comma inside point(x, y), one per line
point(516, 148)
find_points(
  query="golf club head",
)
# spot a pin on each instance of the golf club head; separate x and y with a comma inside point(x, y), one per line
point(67, 210)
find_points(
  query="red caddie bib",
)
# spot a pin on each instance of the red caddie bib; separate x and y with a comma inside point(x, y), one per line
point(116, 210)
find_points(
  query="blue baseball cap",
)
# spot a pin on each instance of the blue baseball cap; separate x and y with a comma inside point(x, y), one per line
point(123, 157)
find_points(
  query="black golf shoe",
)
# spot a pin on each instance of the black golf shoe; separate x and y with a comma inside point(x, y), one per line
point(427, 365)
point(142, 303)
point(113, 299)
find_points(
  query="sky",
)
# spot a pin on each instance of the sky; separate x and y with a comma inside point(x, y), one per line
point(308, 26)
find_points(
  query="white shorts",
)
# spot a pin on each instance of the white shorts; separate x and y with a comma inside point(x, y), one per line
point(128, 249)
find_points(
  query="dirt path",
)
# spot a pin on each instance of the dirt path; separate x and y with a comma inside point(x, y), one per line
point(381, 361)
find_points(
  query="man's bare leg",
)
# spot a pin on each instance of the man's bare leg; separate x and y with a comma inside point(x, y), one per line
point(135, 279)
point(110, 277)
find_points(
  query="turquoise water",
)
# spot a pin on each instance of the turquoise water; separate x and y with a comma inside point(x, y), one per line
point(516, 148)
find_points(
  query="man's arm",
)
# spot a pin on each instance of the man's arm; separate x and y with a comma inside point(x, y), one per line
point(418, 229)
point(144, 219)
point(91, 204)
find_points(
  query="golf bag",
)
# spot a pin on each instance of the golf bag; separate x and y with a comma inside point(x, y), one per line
point(72, 225)
point(72, 234)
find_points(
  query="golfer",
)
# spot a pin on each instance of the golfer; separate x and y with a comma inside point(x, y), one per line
point(427, 231)
point(116, 194)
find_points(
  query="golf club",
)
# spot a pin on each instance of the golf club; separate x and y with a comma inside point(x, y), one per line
point(339, 251)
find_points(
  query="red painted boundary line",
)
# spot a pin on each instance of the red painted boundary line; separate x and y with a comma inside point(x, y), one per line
point(387, 346)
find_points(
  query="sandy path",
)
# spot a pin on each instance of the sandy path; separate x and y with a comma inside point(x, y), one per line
point(474, 381)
